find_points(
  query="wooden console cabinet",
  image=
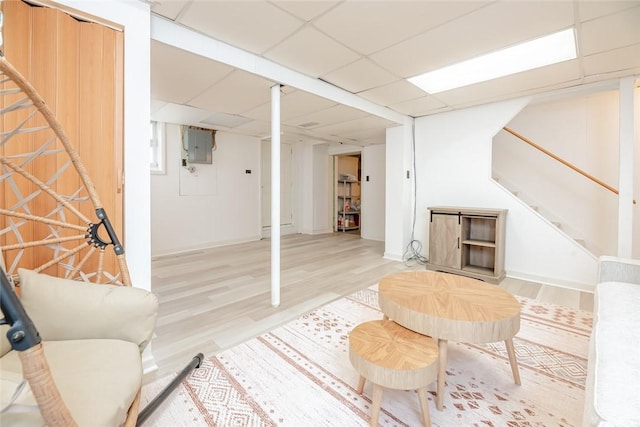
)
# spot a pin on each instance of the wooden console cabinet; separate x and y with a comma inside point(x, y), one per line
point(467, 241)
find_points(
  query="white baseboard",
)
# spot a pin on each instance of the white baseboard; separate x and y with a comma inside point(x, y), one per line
point(392, 257)
point(583, 287)
point(322, 231)
point(204, 246)
point(284, 231)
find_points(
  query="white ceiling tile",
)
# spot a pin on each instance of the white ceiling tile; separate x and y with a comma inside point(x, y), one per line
point(255, 128)
point(180, 114)
point(369, 26)
point(490, 28)
point(299, 103)
point(392, 93)
point(168, 9)
point(621, 29)
point(332, 115)
point(615, 61)
point(377, 135)
point(311, 52)
point(360, 125)
point(306, 10)
point(420, 106)
point(251, 25)
point(225, 120)
point(156, 105)
point(360, 75)
point(177, 76)
point(261, 112)
point(294, 104)
point(595, 9)
point(239, 91)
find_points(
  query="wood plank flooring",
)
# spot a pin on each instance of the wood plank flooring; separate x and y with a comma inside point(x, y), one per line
point(215, 298)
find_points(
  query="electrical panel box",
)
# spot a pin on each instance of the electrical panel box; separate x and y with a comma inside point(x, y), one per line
point(198, 144)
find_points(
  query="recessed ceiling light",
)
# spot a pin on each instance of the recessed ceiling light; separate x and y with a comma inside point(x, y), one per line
point(551, 49)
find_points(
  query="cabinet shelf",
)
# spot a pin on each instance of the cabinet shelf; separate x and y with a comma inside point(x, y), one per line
point(486, 243)
point(477, 269)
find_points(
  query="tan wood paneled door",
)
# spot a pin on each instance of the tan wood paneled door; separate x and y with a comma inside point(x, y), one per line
point(77, 68)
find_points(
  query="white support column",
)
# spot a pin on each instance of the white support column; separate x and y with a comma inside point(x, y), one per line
point(275, 195)
point(625, 199)
point(399, 200)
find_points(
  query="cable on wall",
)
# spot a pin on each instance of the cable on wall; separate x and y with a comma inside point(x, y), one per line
point(412, 252)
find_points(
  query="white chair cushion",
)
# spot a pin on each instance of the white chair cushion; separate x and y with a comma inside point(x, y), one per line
point(64, 309)
point(97, 379)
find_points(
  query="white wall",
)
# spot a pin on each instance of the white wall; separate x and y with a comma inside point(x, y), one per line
point(312, 165)
point(228, 207)
point(373, 192)
point(322, 188)
point(453, 162)
point(304, 190)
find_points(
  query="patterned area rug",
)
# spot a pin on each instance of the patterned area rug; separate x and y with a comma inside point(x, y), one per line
point(300, 375)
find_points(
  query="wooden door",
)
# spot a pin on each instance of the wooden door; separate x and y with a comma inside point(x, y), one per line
point(77, 68)
point(444, 240)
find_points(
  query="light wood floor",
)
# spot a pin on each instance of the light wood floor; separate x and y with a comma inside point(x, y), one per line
point(213, 299)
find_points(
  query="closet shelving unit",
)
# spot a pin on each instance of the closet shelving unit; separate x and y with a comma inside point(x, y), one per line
point(348, 217)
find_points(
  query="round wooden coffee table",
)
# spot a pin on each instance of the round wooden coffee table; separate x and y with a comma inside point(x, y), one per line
point(391, 356)
point(448, 307)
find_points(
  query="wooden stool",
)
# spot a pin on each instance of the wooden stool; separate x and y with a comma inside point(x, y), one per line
point(392, 356)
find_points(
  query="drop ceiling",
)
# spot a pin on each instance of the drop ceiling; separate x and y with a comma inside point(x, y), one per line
point(368, 49)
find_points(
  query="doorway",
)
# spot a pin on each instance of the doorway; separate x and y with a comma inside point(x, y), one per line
point(286, 188)
point(347, 200)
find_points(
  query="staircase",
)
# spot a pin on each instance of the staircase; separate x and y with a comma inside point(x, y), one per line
point(547, 215)
point(577, 204)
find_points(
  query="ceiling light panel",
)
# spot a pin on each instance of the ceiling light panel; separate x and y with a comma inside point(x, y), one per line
point(547, 50)
point(555, 76)
point(496, 26)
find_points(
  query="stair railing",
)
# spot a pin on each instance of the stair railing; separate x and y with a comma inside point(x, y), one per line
point(563, 161)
